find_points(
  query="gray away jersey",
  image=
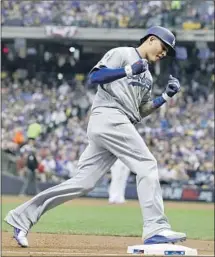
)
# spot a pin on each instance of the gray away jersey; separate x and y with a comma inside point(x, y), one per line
point(125, 94)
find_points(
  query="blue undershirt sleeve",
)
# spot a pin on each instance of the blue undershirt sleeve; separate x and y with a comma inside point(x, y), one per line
point(106, 75)
point(158, 101)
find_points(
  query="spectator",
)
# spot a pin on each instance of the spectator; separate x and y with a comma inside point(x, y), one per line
point(29, 152)
point(18, 137)
point(34, 130)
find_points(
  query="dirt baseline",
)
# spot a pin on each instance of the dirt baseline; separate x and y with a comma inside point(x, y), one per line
point(65, 245)
point(88, 245)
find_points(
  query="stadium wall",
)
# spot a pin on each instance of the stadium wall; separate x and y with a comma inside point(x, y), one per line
point(11, 185)
point(98, 34)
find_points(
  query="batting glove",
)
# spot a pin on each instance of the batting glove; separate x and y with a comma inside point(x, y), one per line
point(136, 68)
point(173, 87)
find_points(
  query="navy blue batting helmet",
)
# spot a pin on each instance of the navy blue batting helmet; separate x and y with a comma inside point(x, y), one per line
point(165, 35)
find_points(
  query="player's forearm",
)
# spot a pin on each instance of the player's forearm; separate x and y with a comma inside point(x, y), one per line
point(151, 106)
point(106, 75)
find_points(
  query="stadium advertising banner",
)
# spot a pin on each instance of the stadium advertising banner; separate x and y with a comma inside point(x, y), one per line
point(58, 31)
point(175, 193)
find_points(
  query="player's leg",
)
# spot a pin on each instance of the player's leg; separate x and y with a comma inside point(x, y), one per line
point(27, 183)
point(93, 164)
point(119, 176)
point(114, 190)
point(35, 184)
point(123, 140)
point(124, 174)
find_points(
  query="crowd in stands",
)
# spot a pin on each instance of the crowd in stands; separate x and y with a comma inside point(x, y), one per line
point(108, 14)
point(60, 112)
point(180, 137)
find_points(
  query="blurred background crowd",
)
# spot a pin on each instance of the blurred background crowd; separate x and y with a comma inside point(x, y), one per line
point(179, 135)
point(46, 101)
point(109, 14)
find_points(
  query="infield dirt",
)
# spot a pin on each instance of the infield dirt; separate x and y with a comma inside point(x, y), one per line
point(88, 245)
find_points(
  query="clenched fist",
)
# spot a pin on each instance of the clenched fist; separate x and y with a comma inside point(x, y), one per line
point(173, 87)
point(136, 68)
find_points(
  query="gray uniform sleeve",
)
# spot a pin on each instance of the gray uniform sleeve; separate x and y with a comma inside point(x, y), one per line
point(112, 59)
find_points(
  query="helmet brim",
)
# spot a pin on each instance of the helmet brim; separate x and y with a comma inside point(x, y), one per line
point(171, 51)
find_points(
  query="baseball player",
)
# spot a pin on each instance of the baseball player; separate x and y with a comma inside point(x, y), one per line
point(123, 98)
point(119, 175)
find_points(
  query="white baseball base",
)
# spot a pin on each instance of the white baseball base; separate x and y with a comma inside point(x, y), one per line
point(162, 250)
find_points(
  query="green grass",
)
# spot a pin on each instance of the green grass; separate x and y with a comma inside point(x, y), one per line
point(120, 220)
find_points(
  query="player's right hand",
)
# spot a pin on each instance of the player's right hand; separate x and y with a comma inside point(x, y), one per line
point(136, 68)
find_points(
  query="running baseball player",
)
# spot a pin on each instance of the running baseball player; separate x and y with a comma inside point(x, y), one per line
point(119, 176)
point(123, 98)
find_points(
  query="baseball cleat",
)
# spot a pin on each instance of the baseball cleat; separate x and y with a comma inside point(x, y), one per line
point(116, 201)
point(166, 237)
point(20, 237)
